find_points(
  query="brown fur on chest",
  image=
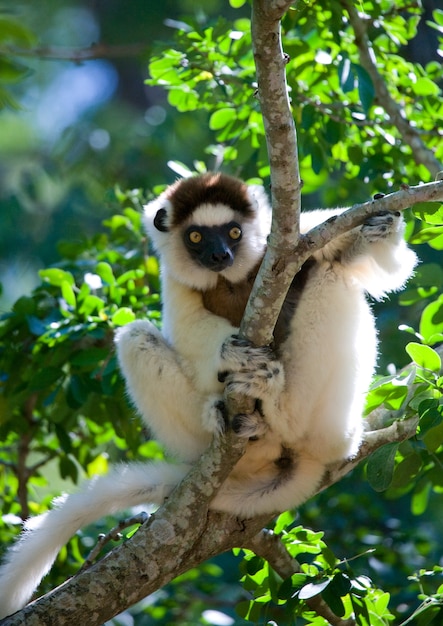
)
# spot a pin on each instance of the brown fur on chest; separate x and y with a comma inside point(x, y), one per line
point(229, 300)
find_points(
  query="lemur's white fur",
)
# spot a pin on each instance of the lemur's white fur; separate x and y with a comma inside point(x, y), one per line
point(311, 393)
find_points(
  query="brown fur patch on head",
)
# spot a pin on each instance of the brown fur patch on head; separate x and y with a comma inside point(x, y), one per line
point(210, 188)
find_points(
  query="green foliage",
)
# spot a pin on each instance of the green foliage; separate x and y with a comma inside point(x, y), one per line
point(214, 70)
point(13, 34)
point(60, 386)
point(342, 130)
point(321, 574)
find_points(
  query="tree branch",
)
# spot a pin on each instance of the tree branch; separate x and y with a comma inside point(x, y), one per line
point(410, 135)
point(282, 262)
point(281, 140)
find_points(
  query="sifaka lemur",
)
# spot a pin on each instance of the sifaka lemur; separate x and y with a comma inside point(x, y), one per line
point(210, 233)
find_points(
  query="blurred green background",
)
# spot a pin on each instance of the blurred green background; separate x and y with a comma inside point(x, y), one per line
point(84, 127)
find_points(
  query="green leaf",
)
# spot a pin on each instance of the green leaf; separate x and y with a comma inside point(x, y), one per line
point(361, 611)
point(341, 585)
point(313, 589)
point(430, 212)
point(222, 118)
point(68, 469)
point(366, 89)
point(424, 356)
point(123, 316)
point(117, 221)
point(431, 321)
point(433, 440)
point(45, 378)
point(130, 275)
point(427, 234)
point(308, 116)
point(332, 595)
point(163, 69)
point(11, 30)
point(104, 270)
point(391, 392)
point(420, 497)
point(89, 357)
point(254, 565)
point(7, 101)
point(56, 276)
point(406, 470)
point(346, 75)
point(77, 392)
point(183, 98)
point(24, 306)
point(91, 304)
point(380, 466)
point(68, 294)
point(286, 590)
point(317, 157)
point(11, 71)
point(430, 415)
point(425, 87)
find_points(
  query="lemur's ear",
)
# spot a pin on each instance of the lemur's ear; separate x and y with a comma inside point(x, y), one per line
point(160, 221)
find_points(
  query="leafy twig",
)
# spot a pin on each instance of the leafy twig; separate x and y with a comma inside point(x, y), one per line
point(113, 535)
point(422, 154)
point(269, 546)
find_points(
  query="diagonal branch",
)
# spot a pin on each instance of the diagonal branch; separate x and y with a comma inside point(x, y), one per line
point(282, 262)
point(421, 153)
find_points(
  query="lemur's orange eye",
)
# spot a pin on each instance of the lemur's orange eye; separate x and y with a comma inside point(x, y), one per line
point(195, 236)
point(235, 232)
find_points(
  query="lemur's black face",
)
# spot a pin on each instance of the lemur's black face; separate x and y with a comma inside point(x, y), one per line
point(213, 247)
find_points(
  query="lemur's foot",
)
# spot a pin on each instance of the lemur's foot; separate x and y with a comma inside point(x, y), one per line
point(381, 225)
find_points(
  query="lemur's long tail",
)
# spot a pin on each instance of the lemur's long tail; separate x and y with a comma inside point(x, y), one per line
point(34, 553)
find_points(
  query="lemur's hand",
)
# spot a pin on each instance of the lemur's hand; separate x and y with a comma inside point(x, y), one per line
point(253, 372)
point(382, 225)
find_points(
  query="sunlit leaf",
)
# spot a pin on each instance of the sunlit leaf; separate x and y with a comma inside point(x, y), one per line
point(431, 321)
point(313, 589)
point(420, 497)
point(424, 356)
point(56, 276)
point(219, 119)
point(68, 293)
point(123, 316)
point(104, 270)
point(425, 87)
point(430, 212)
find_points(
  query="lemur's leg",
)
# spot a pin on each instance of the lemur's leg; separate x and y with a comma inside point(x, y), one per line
point(163, 393)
